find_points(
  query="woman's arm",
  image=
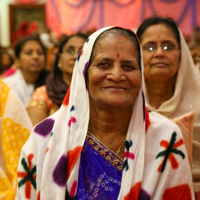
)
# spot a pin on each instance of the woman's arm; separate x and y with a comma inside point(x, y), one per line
point(39, 105)
point(37, 111)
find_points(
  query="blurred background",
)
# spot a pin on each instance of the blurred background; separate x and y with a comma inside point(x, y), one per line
point(54, 19)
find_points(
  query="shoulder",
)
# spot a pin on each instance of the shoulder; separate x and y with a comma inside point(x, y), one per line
point(11, 80)
point(159, 120)
point(12, 109)
point(37, 143)
point(162, 127)
point(40, 93)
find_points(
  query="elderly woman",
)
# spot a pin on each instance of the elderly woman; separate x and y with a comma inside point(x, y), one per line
point(172, 83)
point(102, 143)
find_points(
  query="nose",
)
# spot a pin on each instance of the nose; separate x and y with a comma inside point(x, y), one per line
point(116, 74)
point(75, 56)
point(35, 55)
point(159, 52)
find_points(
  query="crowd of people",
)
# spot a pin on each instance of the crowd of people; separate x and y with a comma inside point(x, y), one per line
point(111, 114)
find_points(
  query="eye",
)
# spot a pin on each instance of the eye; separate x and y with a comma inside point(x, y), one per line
point(169, 46)
point(40, 53)
point(70, 51)
point(149, 47)
point(103, 65)
point(129, 67)
point(28, 52)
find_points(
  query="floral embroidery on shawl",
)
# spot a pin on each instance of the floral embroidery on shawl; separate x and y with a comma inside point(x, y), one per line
point(171, 148)
point(28, 177)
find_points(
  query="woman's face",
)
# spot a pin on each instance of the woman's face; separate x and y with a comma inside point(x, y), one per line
point(69, 54)
point(5, 61)
point(114, 77)
point(195, 53)
point(32, 57)
point(160, 64)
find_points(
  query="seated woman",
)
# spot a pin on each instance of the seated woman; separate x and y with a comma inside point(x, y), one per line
point(14, 131)
point(48, 98)
point(6, 60)
point(172, 83)
point(30, 57)
point(102, 143)
point(195, 52)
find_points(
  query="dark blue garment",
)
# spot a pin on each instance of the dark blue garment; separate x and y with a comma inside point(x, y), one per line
point(98, 178)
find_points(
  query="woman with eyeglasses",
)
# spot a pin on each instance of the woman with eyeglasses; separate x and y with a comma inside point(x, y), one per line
point(47, 99)
point(172, 84)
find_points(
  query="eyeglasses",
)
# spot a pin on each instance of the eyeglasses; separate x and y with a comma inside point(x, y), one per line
point(167, 47)
point(71, 51)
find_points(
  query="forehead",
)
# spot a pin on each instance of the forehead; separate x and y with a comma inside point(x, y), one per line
point(112, 43)
point(31, 44)
point(75, 41)
point(158, 33)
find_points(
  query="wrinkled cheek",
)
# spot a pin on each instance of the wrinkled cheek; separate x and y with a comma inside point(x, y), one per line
point(91, 90)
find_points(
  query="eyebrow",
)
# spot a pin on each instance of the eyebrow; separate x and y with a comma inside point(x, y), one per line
point(164, 41)
point(122, 61)
point(70, 46)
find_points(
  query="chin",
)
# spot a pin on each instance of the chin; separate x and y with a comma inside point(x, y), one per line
point(118, 104)
point(39, 69)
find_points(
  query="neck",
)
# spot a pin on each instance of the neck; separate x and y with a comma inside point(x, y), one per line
point(30, 77)
point(159, 92)
point(110, 126)
point(67, 78)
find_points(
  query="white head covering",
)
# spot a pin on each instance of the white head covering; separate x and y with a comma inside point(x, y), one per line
point(185, 99)
point(56, 143)
point(70, 129)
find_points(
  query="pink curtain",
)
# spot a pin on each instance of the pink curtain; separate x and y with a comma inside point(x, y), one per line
point(69, 16)
point(26, 1)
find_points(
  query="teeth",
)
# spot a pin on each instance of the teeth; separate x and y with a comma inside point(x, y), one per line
point(115, 89)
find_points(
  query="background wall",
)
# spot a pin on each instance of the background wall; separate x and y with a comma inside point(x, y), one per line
point(4, 21)
point(70, 16)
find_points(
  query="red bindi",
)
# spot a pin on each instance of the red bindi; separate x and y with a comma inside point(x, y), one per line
point(118, 55)
point(158, 36)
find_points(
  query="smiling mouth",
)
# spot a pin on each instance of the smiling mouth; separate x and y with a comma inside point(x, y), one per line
point(115, 88)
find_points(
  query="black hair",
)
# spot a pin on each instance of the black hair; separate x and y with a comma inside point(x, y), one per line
point(41, 80)
point(1, 57)
point(169, 22)
point(61, 46)
point(116, 31)
point(81, 35)
point(20, 44)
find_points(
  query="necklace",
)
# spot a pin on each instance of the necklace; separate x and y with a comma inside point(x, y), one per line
point(118, 151)
point(120, 147)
